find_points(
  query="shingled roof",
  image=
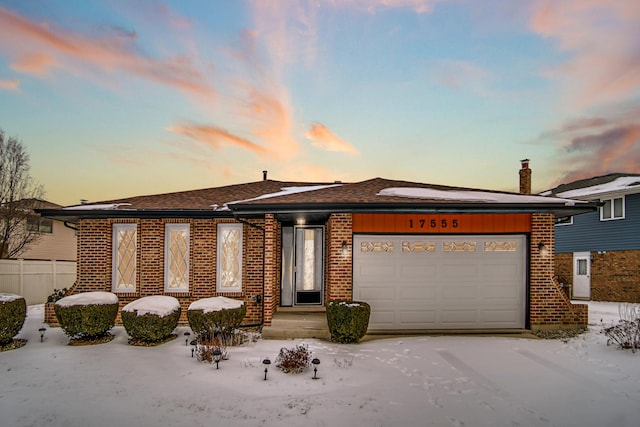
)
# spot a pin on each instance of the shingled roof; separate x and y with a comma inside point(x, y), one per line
point(596, 185)
point(287, 197)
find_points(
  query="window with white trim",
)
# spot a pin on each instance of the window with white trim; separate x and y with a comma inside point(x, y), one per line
point(566, 220)
point(125, 242)
point(176, 257)
point(612, 209)
point(229, 258)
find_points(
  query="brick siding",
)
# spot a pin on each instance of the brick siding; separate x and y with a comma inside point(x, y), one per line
point(95, 261)
point(549, 306)
point(615, 275)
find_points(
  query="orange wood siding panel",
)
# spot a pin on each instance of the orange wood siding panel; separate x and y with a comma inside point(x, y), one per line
point(441, 223)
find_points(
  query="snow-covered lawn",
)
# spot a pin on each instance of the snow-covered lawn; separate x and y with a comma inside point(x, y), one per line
point(402, 381)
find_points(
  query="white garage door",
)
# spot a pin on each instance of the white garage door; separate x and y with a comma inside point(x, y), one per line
point(441, 282)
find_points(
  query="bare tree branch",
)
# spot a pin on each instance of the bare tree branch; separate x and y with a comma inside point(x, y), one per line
point(19, 195)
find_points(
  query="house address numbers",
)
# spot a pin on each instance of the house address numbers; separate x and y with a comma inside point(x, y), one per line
point(433, 224)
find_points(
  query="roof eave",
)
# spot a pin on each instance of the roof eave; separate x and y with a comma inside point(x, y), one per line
point(72, 216)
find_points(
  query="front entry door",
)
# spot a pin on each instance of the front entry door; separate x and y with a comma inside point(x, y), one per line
point(581, 275)
point(302, 265)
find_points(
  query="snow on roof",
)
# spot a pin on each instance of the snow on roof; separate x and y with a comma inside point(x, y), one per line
point(285, 191)
point(208, 305)
point(618, 184)
point(161, 305)
point(88, 298)
point(107, 206)
point(5, 297)
point(470, 196)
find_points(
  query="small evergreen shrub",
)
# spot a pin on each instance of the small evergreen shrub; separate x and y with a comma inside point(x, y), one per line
point(207, 324)
point(57, 295)
point(348, 320)
point(294, 360)
point(87, 316)
point(144, 322)
point(13, 313)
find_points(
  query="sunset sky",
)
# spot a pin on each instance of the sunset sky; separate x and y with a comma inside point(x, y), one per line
point(121, 98)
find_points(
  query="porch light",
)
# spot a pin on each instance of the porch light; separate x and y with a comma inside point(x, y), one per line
point(345, 247)
point(266, 362)
point(217, 355)
point(186, 340)
point(42, 331)
point(315, 363)
point(543, 250)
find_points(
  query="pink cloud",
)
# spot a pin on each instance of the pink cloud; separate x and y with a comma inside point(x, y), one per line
point(34, 47)
point(215, 137)
point(323, 138)
point(613, 150)
point(600, 39)
point(37, 64)
point(11, 84)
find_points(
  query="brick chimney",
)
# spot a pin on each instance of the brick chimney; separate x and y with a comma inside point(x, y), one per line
point(525, 177)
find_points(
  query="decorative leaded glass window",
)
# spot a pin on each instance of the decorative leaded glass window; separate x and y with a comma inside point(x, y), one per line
point(229, 258)
point(124, 257)
point(176, 258)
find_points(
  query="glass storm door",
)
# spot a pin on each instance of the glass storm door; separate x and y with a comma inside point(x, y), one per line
point(302, 266)
point(581, 275)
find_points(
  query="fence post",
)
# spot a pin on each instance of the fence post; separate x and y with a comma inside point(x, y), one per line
point(54, 271)
point(21, 276)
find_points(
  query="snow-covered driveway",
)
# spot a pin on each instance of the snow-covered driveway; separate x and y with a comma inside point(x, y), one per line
point(416, 381)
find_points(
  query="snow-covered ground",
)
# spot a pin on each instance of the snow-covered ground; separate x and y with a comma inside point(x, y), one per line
point(402, 381)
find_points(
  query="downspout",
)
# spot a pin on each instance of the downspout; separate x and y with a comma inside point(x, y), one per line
point(66, 224)
point(264, 241)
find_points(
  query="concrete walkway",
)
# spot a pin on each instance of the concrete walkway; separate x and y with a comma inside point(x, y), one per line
point(296, 323)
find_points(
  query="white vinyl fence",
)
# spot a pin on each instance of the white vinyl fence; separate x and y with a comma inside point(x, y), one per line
point(35, 280)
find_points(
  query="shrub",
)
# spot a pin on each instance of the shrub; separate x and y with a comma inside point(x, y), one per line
point(151, 319)
point(88, 315)
point(13, 313)
point(57, 295)
point(207, 318)
point(625, 334)
point(294, 360)
point(348, 320)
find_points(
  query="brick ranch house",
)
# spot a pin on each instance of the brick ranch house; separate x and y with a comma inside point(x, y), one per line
point(426, 257)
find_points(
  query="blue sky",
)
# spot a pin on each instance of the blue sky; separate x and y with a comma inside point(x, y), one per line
point(119, 98)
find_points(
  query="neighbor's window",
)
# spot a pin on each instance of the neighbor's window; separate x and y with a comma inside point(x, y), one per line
point(612, 209)
point(40, 225)
point(229, 258)
point(176, 257)
point(124, 257)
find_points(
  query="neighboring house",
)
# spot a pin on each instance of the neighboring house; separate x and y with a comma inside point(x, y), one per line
point(57, 241)
point(424, 256)
point(598, 254)
point(44, 264)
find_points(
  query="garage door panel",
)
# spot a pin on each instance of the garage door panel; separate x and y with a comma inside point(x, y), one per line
point(437, 282)
point(414, 293)
point(376, 293)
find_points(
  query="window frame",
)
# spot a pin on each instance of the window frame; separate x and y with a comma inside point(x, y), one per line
point(40, 225)
point(168, 228)
point(611, 209)
point(115, 261)
point(219, 254)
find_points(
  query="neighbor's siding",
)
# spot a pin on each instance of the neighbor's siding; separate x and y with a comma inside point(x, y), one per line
point(615, 275)
point(59, 245)
point(588, 233)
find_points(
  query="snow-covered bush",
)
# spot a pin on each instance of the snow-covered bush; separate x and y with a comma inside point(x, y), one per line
point(221, 316)
point(151, 319)
point(626, 333)
point(348, 320)
point(294, 360)
point(13, 312)
point(87, 316)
